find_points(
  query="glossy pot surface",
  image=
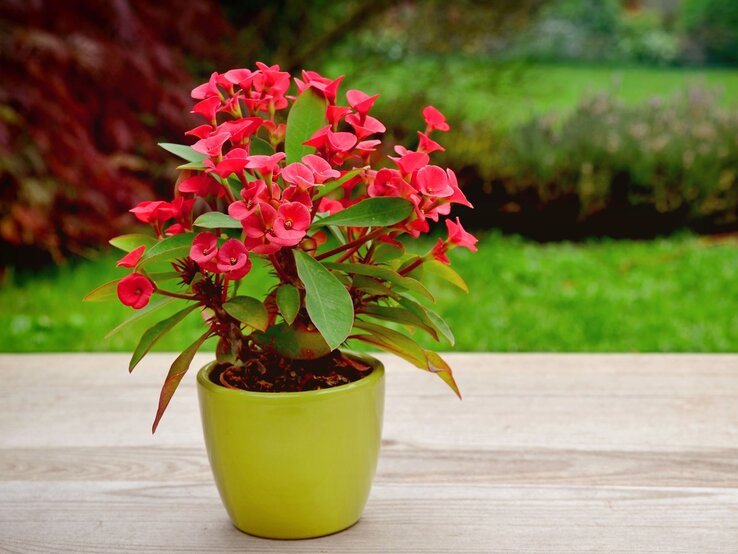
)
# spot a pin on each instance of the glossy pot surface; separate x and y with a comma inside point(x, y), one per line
point(297, 464)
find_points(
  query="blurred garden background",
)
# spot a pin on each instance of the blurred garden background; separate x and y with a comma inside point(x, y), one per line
point(597, 139)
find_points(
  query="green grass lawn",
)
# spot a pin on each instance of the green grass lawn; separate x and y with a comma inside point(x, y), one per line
point(676, 294)
point(505, 95)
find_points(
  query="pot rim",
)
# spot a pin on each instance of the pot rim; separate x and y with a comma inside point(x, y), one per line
point(203, 380)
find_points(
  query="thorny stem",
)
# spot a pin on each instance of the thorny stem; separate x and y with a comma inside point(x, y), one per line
point(279, 269)
point(353, 245)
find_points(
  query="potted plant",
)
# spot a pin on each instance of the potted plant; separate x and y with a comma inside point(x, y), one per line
point(297, 185)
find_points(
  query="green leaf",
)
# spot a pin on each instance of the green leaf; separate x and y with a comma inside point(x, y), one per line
point(442, 271)
point(217, 220)
point(103, 293)
point(306, 116)
point(154, 333)
point(327, 301)
point(176, 246)
point(336, 232)
point(138, 314)
point(133, 241)
point(430, 318)
point(260, 147)
point(385, 252)
point(288, 302)
point(330, 186)
point(438, 365)
point(295, 342)
point(404, 283)
point(160, 276)
point(371, 212)
point(402, 316)
point(192, 165)
point(176, 372)
point(183, 151)
point(248, 310)
point(406, 348)
point(392, 341)
point(372, 286)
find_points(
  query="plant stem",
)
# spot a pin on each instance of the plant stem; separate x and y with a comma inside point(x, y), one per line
point(173, 294)
point(279, 269)
point(353, 245)
point(412, 266)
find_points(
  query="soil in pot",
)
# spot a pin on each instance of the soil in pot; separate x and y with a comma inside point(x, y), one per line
point(270, 372)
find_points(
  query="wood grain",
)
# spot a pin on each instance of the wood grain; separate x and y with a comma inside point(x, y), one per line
point(546, 453)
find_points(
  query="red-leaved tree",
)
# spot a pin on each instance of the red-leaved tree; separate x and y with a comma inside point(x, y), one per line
point(86, 88)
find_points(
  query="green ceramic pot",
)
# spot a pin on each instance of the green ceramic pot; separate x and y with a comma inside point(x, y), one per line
point(297, 464)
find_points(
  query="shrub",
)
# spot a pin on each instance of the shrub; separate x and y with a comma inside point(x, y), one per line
point(608, 168)
point(711, 29)
point(86, 87)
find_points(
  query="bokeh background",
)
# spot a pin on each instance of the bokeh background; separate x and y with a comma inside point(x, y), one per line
point(598, 140)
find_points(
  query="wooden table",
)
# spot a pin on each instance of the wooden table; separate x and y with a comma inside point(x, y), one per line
point(546, 453)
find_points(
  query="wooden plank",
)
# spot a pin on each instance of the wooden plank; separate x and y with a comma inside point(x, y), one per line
point(187, 517)
point(554, 453)
point(401, 463)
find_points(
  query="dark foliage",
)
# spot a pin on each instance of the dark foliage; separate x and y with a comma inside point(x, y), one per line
point(87, 87)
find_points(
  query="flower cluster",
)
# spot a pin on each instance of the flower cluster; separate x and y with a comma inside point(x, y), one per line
point(243, 171)
point(304, 185)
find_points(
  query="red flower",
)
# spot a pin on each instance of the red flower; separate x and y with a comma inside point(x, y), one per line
point(202, 185)
point(204, 248)
point(233, 162)
point(135, 290)
point(132, 258)
point(410, 161)
point(299, 175)
point(201, 131)
point(428, 145)
point(329, 205)
point(253, 193)
point(295, 194)
point(291, 224)
point(266, 165)
point(439, 252)
point(321, 169)
point(324, 86)
point(458, 236)
point(211, 146)
point(389, 182)
point(435, 120)
point(365, 125)
point(334, 114)
point(258, 227)
point(154, 212)
point(208, 108)
point(432, 181)
point(325, 138)
point(240, 77)
point(182, 208)
point(368, 146)
point(233, 259)
point(241, 129)
point(207, 90)
point(360, 101)
point(457, 197)
point(268, 87)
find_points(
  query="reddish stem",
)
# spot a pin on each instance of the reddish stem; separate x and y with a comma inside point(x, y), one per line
point(353, 245)
point(412, 266)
